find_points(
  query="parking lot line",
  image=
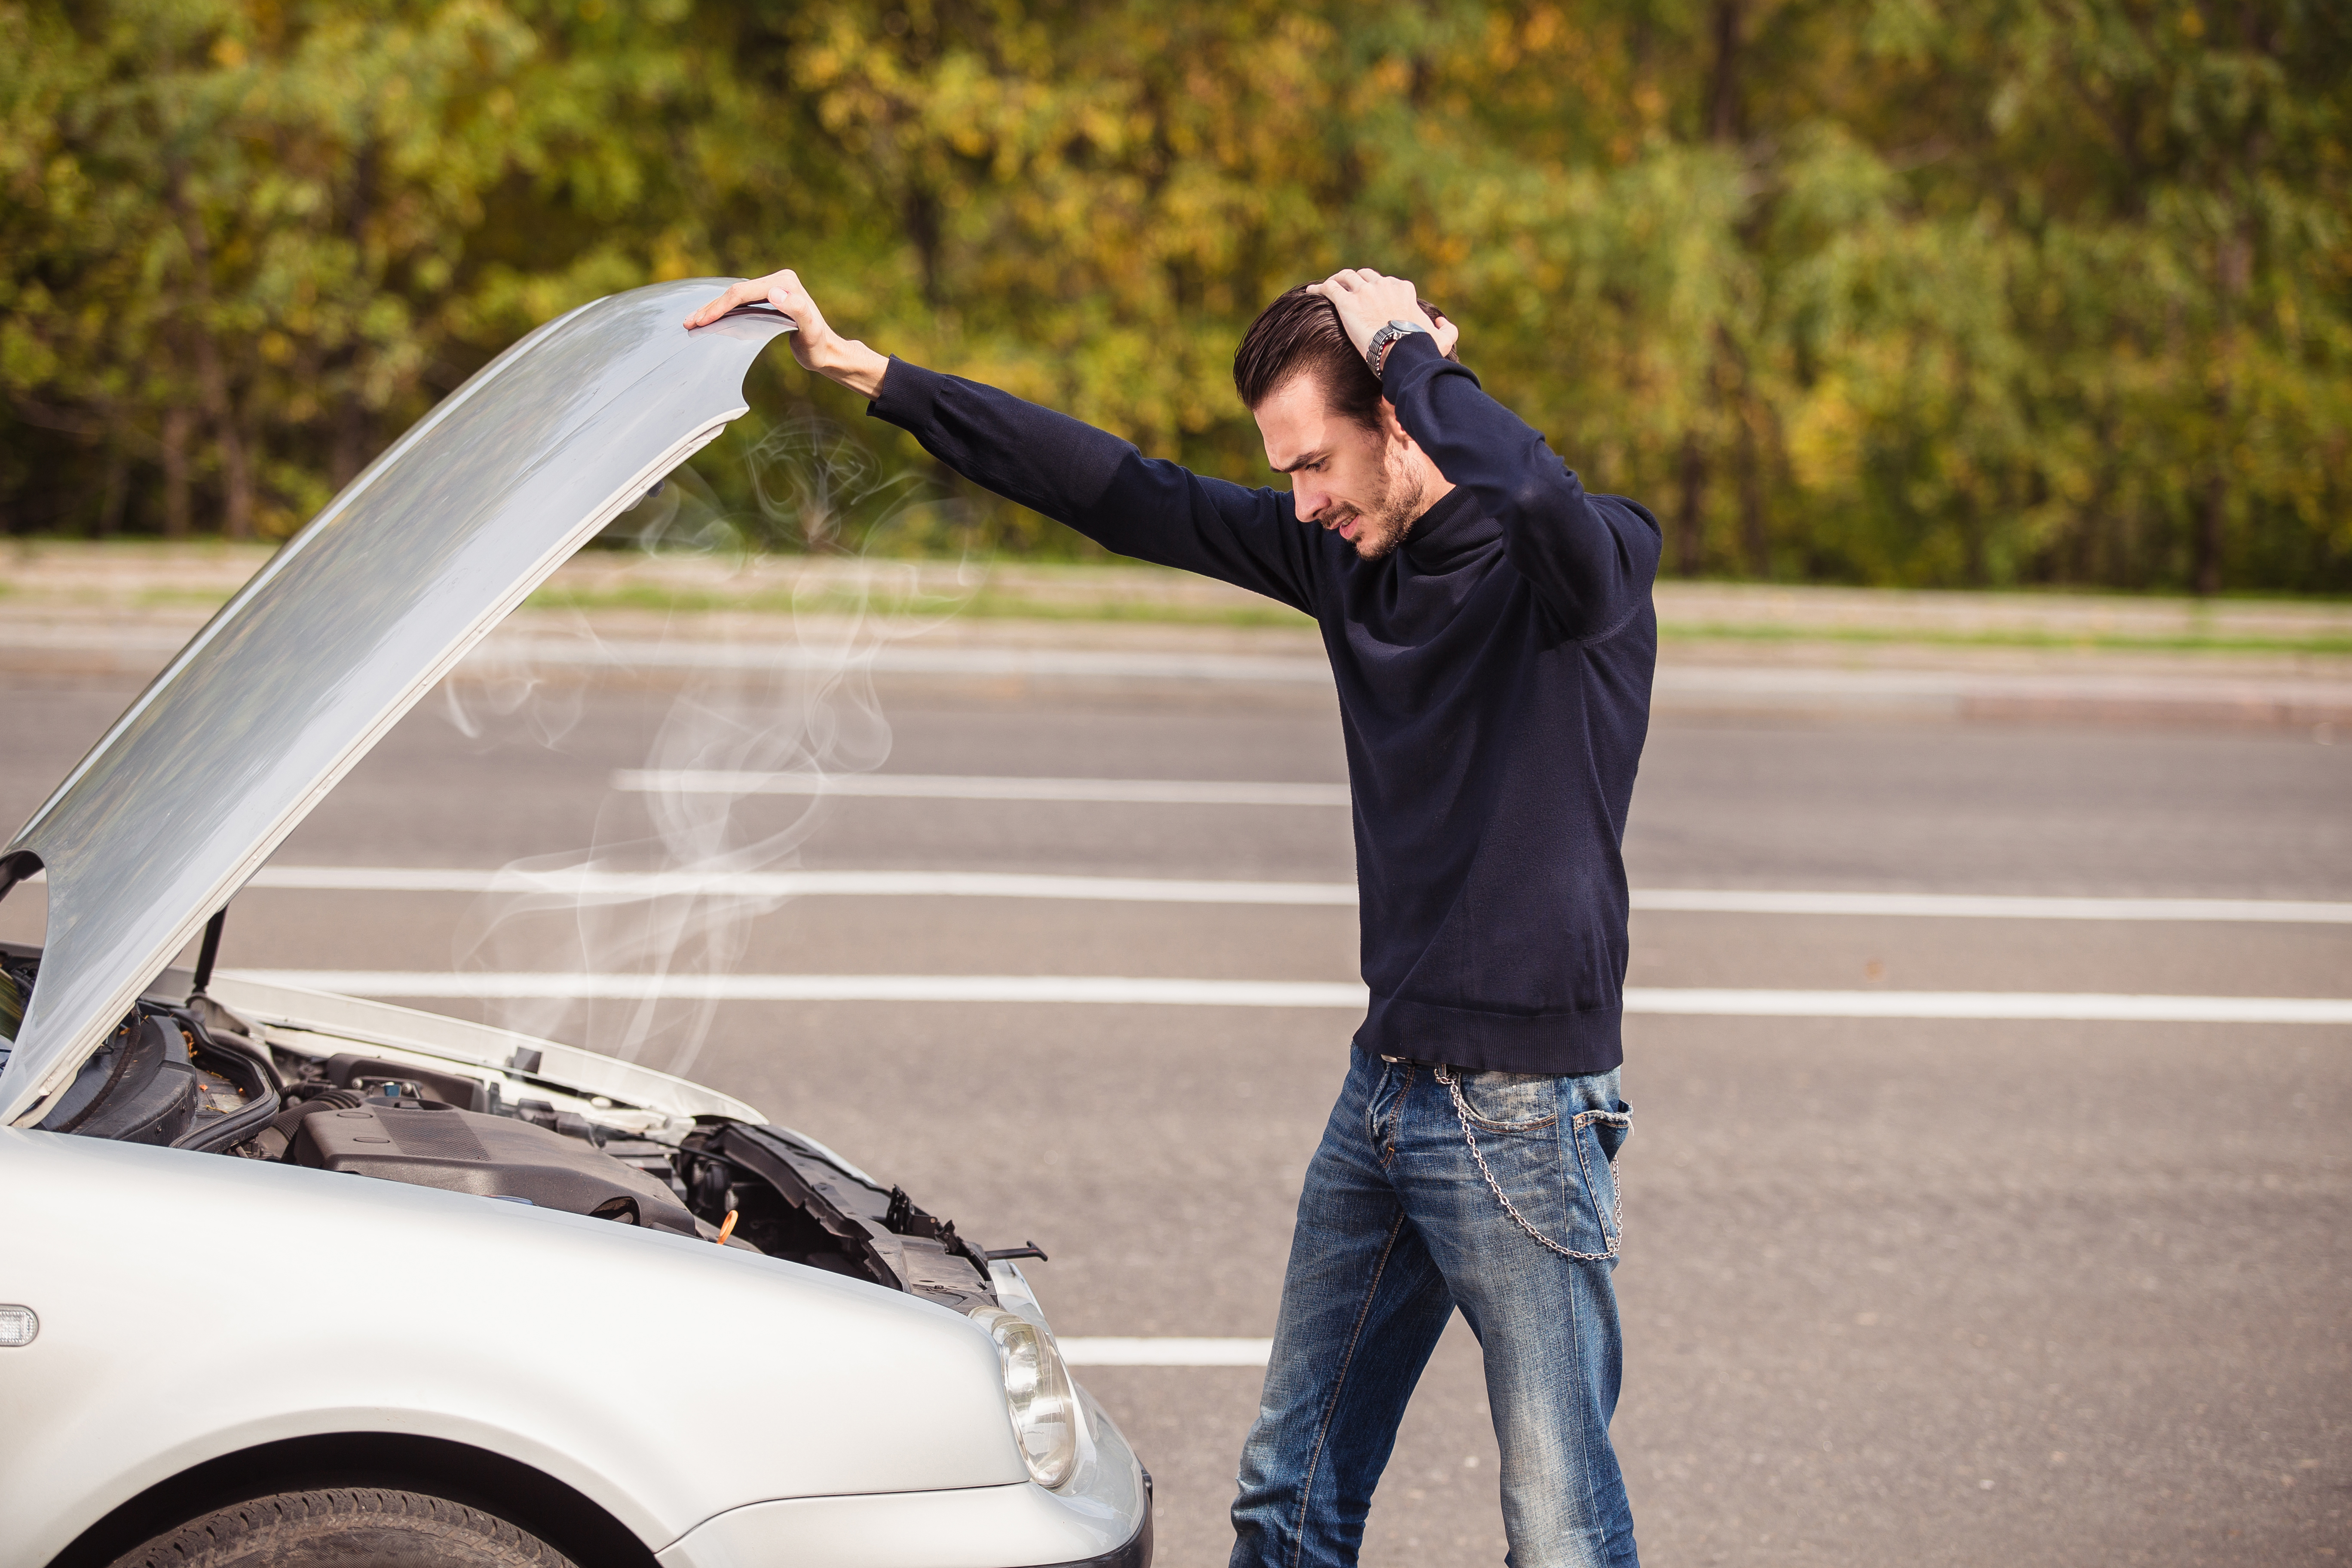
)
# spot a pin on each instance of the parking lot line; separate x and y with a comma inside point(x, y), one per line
point(1145, 991)
point(803, 884)
point(972, 787)
point(590, 883)
point(1165, 1352)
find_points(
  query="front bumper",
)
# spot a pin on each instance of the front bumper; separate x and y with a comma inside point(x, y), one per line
point(1135, 1553)
point(1100, 1518)
point(903, 1530)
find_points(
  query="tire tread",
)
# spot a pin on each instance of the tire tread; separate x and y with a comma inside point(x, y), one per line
point(281, 1530)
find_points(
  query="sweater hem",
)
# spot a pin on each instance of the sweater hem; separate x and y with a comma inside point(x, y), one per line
point(1566, 1043)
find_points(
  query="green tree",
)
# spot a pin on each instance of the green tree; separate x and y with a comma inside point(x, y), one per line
point(1906, 291)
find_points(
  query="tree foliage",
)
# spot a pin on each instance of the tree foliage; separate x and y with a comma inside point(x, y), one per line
point(1910, 291)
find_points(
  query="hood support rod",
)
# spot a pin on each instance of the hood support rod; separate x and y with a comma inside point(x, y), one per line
point(209, 952)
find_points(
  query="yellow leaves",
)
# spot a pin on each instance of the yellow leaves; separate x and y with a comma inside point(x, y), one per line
point(1390, 76)
point(672, 259)
point(1899, 313)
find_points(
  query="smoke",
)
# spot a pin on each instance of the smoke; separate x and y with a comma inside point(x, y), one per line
point(509, 697)
point(789, 693)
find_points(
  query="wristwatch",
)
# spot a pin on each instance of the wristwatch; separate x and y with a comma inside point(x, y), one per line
point(1376, 352)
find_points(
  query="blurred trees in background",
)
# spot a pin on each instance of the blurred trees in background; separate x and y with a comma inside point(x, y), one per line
point(1908, 291)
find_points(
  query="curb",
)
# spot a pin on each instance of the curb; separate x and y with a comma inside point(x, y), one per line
point(86, 651)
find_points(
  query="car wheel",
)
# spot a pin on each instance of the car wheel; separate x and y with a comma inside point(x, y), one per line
point(348, 1528)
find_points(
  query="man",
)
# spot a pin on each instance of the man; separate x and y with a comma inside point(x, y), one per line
point(1491, 634)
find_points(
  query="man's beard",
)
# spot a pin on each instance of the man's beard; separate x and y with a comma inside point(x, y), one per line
point(1394, 507)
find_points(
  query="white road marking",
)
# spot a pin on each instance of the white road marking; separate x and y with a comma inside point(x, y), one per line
point(634, 987)
point(1185, 890)
point(2067, 1005)
point(900, 658)
point(966, 786)
point(1167, 1352)
point(1989, 906)
point(801, 884)
point(2083, 1006)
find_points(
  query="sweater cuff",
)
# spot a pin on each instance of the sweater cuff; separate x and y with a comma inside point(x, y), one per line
point(1406, 351)
point(1411, 357)
point(907, 393)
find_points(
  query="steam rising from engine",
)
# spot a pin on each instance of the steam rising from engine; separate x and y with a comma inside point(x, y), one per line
point(782, 694)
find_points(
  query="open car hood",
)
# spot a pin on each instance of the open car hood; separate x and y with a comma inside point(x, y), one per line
point(349, 624)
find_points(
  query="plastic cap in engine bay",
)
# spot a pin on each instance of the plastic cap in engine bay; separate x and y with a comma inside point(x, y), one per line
point(490, 1156)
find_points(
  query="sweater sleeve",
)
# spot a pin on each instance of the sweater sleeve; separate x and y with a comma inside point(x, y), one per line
point(1592, 558)
point(1101, 486)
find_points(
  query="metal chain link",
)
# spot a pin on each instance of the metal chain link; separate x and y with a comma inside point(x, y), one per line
point(1616, 1231)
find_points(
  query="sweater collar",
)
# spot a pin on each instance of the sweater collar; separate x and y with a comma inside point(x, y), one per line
point(1449, 533)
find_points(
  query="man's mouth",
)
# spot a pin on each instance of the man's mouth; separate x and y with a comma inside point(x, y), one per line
point(1345, 525)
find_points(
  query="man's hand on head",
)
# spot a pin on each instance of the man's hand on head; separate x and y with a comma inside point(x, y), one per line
point(816, 345)
point(1368, 300)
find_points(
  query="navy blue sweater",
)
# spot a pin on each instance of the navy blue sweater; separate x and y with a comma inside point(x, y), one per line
point(1493, 680)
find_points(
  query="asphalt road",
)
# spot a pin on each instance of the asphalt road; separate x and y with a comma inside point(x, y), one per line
point(1925, 1291)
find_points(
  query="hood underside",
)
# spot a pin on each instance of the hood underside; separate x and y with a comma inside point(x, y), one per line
point(349, 624)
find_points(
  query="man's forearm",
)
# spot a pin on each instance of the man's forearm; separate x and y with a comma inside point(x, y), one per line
point(1590, 556)
point(1101, 485)
point(852, 364)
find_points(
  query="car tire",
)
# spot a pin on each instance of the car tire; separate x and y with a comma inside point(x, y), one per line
point(348, 1528)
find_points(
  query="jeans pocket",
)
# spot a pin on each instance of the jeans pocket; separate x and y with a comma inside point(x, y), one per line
point(1579, 1155)
point(1510, 1101)
point(1597, 1136)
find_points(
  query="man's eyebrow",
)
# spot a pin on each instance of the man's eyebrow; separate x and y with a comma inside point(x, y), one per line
point(1296, 463)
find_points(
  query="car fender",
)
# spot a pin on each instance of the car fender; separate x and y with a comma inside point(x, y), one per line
point(195, 1305)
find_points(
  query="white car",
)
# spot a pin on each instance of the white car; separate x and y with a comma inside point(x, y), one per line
point(288, 1278)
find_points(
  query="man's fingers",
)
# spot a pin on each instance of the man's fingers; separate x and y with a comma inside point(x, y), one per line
point(737, 294)
point(1354, 281)
point(774, 289)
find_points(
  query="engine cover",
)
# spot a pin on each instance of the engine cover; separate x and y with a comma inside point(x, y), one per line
point(494, 1156)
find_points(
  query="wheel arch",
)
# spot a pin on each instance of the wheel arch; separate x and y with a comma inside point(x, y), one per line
point(562, 1516)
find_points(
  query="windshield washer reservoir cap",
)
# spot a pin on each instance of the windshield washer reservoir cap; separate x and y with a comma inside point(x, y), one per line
point(18, 1326)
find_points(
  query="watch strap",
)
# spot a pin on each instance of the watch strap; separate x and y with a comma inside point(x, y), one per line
point(1376, 352)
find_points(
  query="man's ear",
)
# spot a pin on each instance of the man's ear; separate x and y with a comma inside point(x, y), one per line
point(1392, 429)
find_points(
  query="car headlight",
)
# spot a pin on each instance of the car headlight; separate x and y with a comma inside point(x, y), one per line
point(1038, 1394)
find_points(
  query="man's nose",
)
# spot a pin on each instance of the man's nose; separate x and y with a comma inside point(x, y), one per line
point(1310, 503)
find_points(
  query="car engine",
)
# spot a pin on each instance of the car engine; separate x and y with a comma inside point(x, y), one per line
point(194, 1075)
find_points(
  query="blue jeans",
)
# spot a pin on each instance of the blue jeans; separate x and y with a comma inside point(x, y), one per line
point(1436, 1188)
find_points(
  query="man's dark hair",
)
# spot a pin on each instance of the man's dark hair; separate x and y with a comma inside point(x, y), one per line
point(1301, 332)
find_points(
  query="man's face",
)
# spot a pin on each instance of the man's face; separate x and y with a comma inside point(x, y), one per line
point(1358, 483)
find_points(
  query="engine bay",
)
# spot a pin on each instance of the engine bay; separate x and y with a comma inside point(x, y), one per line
point(195, 1074)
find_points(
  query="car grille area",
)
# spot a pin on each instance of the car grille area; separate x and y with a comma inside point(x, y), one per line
point(491, 1156)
